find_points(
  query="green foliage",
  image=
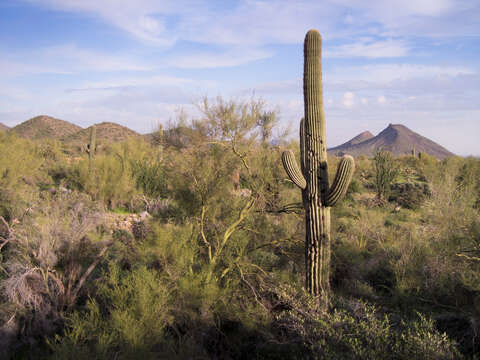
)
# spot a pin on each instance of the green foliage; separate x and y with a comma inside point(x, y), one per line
point(150, 177)
point(20, 166)
point(51, 254)
point(112, 180)
point(129, 317)
point(469, 179)
point(409, 194)
point(218, 271)
point(385, 173)
point(354, 330)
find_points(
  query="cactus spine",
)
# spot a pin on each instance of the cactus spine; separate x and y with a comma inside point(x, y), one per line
point(91, 148)
point(312, 176)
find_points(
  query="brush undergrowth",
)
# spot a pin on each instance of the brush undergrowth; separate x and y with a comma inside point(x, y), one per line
point(217, 271)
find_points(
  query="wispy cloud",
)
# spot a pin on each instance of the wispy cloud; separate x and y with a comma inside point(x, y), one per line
point(348, 99)
point(377, 49)
point(144, 19)
point(275, 21)
point(364, 76)
point(67, 59)
point(232, 57)
point(119, 83)
point(71, 56)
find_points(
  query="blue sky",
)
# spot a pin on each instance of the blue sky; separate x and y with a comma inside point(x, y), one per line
point(137, 62)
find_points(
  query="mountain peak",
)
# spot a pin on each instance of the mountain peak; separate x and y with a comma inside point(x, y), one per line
point(397, 138)
point(44, 126)
point(366, 135)
point(106, 132)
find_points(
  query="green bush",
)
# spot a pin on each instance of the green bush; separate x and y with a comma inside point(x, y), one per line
point(409, 195)
point(354, 330)
point(385, 172)
point(129, 318)
point(20, 174)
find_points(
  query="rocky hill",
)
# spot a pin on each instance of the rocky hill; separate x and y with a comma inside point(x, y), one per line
point(45, 127)
point(3, 127)
point(364, 136)
point(107, 132)
point(396, 138)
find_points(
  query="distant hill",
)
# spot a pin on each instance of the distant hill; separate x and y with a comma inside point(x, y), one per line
point(3, 127)
point(107, 132)
point(398, 139)
point(45, 127)
point(364, 136)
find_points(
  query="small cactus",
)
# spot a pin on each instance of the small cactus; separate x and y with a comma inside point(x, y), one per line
point(92, 147)
point(312, 176)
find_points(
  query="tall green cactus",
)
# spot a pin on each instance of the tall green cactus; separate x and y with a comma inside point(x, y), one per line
point(91, 147)
point(312, 177)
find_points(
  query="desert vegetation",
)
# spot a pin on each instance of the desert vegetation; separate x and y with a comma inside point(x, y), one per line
point(192, 244)
point(216, 269)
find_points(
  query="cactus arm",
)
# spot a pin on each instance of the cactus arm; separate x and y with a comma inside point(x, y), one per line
point(292, 169)
point(344, 175)
point(303, 151)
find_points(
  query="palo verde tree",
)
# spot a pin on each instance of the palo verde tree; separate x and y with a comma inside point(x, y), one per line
point(312, 178)
point(216, 180)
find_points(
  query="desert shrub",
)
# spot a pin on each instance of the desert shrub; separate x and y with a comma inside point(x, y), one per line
point(50, 256)
point(385, 172)
point(354, 330)
point(128, 318)
point(409, 195)
point(55, 162)
point(468, 179)
point(216, 272)
point(110, 179)
point(355, 187)
point(150, 177)
point(163, 306)
point(20, 173)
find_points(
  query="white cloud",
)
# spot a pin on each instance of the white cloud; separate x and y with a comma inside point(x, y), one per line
point(144, 19)
point(372, 76)
point(435, 18)
point(259, 23)
point(295, 104)
point(348, 99)
point(77, 58)
point(11, 68)
point(137, 81)
point(379, 49)
point(67, 59)
point(400, 8)
point(229, 58)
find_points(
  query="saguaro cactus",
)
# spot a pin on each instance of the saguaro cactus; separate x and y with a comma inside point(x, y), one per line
point(312, 177)
point(91, 147)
